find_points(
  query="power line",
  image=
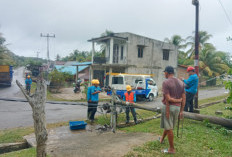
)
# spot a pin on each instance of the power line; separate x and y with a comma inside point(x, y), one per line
point(227, 16)
point(48, 36)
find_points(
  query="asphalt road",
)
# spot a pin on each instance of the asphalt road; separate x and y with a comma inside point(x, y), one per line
point(19, 114)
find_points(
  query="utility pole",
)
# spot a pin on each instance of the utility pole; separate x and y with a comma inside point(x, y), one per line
point(37, 55)
point(229, 38)
point(48, 36)
point(196, 60)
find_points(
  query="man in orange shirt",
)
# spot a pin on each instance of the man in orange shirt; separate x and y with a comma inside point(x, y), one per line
point(130, 97)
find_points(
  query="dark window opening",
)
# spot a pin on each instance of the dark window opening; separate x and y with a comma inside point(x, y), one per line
point(117, 80)
point(165, 54)
point(140, 52)
point(121, 52)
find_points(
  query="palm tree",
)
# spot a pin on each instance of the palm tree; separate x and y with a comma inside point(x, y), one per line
point(210, 62)
point(180, 44)
point(176, 40)
point(204, 36)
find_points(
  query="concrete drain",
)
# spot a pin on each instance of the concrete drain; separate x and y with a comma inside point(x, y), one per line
point(10, 147)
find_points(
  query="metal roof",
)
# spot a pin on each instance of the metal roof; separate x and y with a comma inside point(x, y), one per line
point(69, 69)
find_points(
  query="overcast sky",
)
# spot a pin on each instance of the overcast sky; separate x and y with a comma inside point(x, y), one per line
point(75, 21)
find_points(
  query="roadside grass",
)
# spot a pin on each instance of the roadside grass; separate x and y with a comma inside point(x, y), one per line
point(212, 99)
point(197, 140)
point(218, 107)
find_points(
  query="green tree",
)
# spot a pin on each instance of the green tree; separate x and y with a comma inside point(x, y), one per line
point(180, 44)
point(80, 56)
point(210, 61)
point(57, 80)
point(204, 37)
point(58, 57)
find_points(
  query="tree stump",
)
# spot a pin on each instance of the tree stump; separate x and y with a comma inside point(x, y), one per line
point(37, 102)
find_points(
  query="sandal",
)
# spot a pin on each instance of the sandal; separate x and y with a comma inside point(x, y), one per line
point(165, 151)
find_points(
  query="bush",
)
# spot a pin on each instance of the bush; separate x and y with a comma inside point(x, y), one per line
point(57, 80)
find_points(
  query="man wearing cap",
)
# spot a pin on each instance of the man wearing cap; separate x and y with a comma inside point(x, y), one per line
point(93, 98)
point(191, 85)
point(174, 102)
point(28, 83)
point(130, 97)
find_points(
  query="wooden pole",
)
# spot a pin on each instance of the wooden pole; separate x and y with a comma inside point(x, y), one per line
point(215, 120)
point(37, 102)
point(113, 113)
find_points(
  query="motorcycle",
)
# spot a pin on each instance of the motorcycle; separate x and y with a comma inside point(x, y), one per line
point(77, 86)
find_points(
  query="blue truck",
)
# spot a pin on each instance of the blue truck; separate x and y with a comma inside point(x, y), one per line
point(6, 75)
point(143, 85)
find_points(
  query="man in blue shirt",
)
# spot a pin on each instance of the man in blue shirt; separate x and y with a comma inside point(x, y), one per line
point(93, 98)
point(191, 85)
point(28, 83)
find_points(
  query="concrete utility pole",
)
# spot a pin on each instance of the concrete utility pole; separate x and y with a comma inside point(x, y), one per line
point(48, 36)
point(229, 38)
point(37, 55)
point(196, 60)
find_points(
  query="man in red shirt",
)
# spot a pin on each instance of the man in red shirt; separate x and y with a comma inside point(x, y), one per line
point(174, 102)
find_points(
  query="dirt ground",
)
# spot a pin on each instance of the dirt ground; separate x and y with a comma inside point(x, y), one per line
point(68, 94)
point(92, 142)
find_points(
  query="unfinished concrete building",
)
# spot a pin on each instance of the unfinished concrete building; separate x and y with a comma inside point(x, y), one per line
point(131, 53)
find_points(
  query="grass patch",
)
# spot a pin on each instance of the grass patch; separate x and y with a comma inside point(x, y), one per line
point(212, 99)
point(197, 140)
point(14, 135)
point(221, 107)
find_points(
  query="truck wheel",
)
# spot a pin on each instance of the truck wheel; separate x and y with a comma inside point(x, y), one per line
point(151, 97)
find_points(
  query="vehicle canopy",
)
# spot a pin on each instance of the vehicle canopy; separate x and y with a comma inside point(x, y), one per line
point(120, 80)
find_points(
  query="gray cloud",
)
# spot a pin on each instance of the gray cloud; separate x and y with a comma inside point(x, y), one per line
point(76, 21)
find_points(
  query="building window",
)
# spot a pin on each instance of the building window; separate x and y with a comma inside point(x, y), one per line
point(165, 54)
point(140, 52)
point(121, 52)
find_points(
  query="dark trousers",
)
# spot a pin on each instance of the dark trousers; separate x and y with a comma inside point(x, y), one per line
point(92, 109)
point(133, 113)
point(28, 88)
point(189, 102)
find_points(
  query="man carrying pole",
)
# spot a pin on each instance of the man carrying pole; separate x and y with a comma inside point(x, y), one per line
point(130, 97)
point(174, 102)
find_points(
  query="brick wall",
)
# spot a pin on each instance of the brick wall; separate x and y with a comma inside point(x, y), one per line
point(182, 72)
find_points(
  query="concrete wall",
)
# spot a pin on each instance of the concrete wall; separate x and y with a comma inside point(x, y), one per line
point(152, 61)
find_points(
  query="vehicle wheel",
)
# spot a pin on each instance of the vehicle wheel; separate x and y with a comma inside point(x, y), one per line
point(151, 97)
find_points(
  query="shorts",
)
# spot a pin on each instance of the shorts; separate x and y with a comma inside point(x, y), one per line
point(169, 124)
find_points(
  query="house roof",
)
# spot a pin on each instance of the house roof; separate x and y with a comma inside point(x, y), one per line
point(81, 63)
point(99, 39)
point(70, 69)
